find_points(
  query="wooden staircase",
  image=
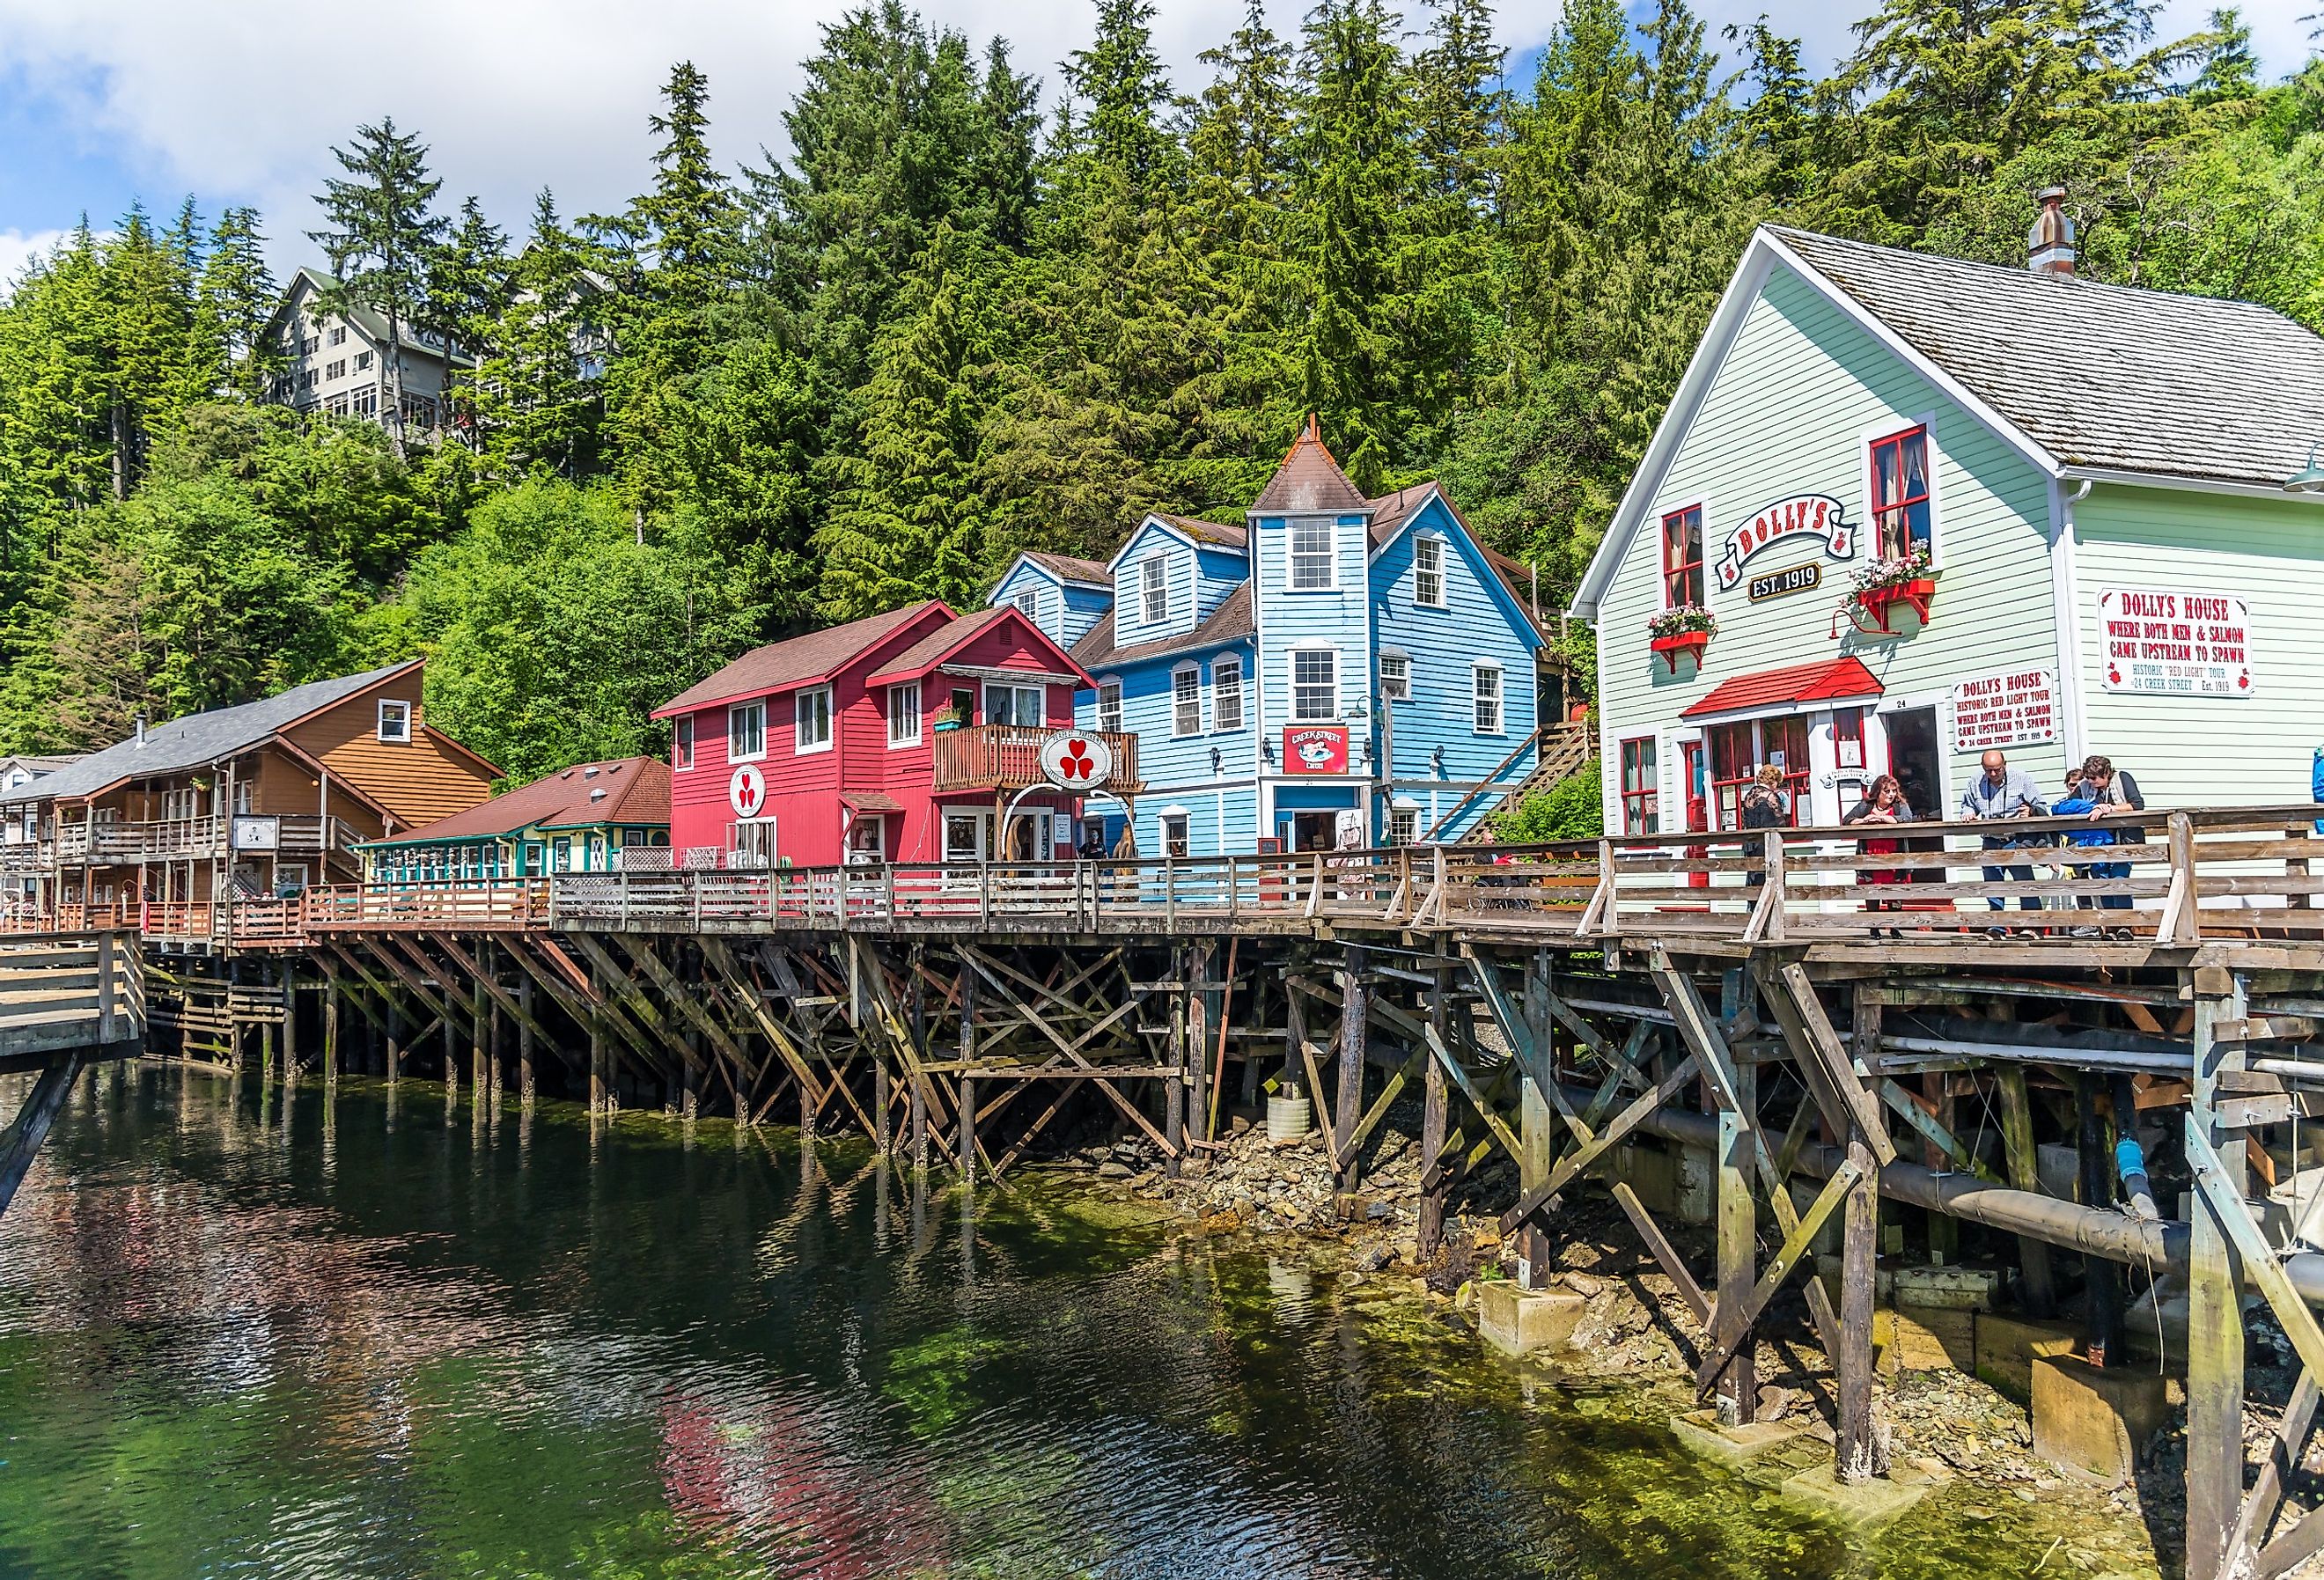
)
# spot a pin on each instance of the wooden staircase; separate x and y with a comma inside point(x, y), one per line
point(1565, 748)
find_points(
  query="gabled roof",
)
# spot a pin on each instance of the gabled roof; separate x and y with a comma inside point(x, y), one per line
point(1392, 512)
point(802, 660)
point(632, 790)
point(1309, 482)
point(1090, 573)
point(946, 640)
point(373, 325)
point(1229, 622)
point(1825, 680)
point(2080, 378)
point(1209, 535)
point(199, 739)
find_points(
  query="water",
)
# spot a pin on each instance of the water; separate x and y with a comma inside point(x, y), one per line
point(384, 1341)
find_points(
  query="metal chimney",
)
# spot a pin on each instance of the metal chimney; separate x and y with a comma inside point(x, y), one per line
point(2050, 248)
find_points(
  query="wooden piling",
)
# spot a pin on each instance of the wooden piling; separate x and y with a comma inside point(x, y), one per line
point(526, 1090)
point(2101, 1276)
point(1348, 1105)
point(968, 1129)
point(1738, 1385)
point(2215, 1323)
point(1857, 1454)
point(1433, 1178)
point(2023, 1164)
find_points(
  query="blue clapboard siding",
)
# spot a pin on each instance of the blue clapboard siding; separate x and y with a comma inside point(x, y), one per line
point(1064, 610)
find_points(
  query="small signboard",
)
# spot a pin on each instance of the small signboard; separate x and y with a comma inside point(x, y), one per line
point(1774, 584)
point(2186, 642)
point(1073, 760)
point(1802, 515)
point(254, 832)
point(1314, 748)
point(746, 791)
point(2005, 709)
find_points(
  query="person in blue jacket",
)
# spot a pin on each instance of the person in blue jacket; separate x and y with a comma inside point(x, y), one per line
point(2315, 784)
point(2082, 803)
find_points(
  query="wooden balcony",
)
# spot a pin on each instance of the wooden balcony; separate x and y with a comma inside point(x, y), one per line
point(1002, 757)
point(26, 857)
point(174, 839)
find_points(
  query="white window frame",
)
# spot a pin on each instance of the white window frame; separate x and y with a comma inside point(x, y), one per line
point(1041, 706)
point(1330, 655)
point(1500, 696)
point(1109, 714)
point(803, 703)
point(401, 711)
point(1421, 548)
point(681, 743)
point(1291, 552)
point(1869, 533)
point(1184, 839)
point(1404, 825)
point(1029, 604)
point(1227, 664)
point(1153, 584)
point(746, 847)
point(1185, 687)
point(1399, 689)
point(901, 699)
point(735, 712)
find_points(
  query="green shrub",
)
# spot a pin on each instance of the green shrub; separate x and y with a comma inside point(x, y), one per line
point(1569, 809)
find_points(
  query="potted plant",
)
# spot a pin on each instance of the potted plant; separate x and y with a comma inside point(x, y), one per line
point(945, 719)
point(1683, 628)
point(1883, 583)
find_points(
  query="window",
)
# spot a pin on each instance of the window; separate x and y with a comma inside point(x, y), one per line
point(1186, 701)
point(746, 731)
point(1029, 604)
point(1395, 676)
point(395, 722)
point(309, 344)
point(1641, 788)
point(1847, 737)
point(904, 715)
point(362, 361)
point(1485, 695)
point(1315, 685)
point(1428, 572)
point(338, 333)
point(335, 368)
point(1737, 751)
point(1155, 581)
point(751, 843)
point(681, 750)
point(1900, 493)
point(811, 714)
point(420, 410)
point(1014, 705)
point(1682, 557)
point(1174, 834)
point(1226, 693)
point(366, 402)
point(306, 378)
point(1109, 706)
point(1403, 825)
point(1310, 556)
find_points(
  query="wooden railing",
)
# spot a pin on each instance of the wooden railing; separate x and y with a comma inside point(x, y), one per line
point(1007, 757)
point(62, 992)
point(502, 904)
point(196, 838)
point(27, 857)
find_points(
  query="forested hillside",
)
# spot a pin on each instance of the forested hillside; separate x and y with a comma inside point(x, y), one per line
point(972, 311)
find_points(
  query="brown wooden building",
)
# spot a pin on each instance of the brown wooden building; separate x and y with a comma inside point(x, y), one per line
point(255, 801)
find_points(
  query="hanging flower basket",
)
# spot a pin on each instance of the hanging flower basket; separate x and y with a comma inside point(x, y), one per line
point(1883, 584)
point(1685, 629)
point(944, 720)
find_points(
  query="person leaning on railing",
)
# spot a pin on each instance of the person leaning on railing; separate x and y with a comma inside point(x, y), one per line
point(2003, 791)
point(1762, 806)
point(2083, 804)
point(1883, 803)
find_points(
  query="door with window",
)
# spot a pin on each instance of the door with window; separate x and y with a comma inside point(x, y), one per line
point(963, 837)
point(1738, 751)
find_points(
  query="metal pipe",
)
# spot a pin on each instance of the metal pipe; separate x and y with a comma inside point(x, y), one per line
point(2088, 1059)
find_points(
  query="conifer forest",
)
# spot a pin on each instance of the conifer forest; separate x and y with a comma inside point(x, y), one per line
point(981, 305)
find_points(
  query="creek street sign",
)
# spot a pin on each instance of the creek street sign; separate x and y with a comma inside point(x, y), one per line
point(1073, 760)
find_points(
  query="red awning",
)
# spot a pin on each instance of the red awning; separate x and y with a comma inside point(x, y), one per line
point(869, 801)
point(1826, 681)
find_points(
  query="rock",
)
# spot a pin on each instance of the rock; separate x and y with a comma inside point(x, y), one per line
point(1581, 1283)
point(1110, 1169)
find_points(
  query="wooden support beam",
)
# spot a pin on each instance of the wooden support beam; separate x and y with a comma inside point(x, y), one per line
point(1858, 1451)
point(1738, 1248)
point(1682, 1072)
point(20, 1142)
point(1354, 1039)
point(2215, 1273)
point(1734, 1327)
point(2023, 1163)
point(1664, 1255)
point(1433, 1182)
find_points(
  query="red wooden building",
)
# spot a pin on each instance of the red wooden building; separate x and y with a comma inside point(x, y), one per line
point(905, 736)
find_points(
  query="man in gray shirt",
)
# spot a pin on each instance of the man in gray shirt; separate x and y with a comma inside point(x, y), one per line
point(2003, 791)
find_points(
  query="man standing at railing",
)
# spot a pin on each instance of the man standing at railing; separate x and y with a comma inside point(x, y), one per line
point(2003, 791)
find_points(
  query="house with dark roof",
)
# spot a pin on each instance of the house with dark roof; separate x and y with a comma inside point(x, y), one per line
point(349, 365)
point(1905, 509)
point(255, 801)
point(911, 735)
point(1330, 667)
point(591, 817)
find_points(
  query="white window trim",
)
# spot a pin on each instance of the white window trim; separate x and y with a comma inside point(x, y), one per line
point(685, 722)
point(1242, 692)
point(1868, 530)
point(984, 697)
point(1029, 597)
point(830, 722)
point(1098, 711)
point(1195, 669)
point(1386, 653)
point(1291, 676)
point(410, 731)
point(732, 710)
point(1291, 557)
point(897, 743)
point(1152, 570)
point(1500, 698)
point(1444, 599)
point(1662, 573)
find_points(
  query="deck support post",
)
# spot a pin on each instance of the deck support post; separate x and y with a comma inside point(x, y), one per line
point(330, 1035)
point(30, 1127)
point(968, 1131)
point(1435, 1179)
point(526, 1089)
point(2102, 1277)
point(394, 1038)
point(287, 974)
point(2215, 1322)
point(1739, 1384)
point(1858, 1451)
point(1348, 1103)
point(2023, 1164)
point(1174, 1084)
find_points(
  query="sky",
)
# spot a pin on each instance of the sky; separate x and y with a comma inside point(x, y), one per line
point(104, 102)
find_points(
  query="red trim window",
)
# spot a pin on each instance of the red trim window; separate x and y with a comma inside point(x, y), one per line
point(1900, 493)
point(1682, 557)
point(1641, 788)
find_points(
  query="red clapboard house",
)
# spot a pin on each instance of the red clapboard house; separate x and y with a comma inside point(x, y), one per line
point(905, 736)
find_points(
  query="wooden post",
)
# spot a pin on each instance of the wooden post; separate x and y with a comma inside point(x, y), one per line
point(524, 1072)
point(1945, 1229)
point(1174, 1084)
point(1347, 1106)
point(2215, 1322)
point(2102, 1276)
point(287, 974)
point(330, 1035)
point(1857, 1452)
point(968, 1129)
point(1739, 1384)
point(478, 1027)
point(2026, 1174)
point(1434, 1180)
point(1197, 975)
point(395, 1039)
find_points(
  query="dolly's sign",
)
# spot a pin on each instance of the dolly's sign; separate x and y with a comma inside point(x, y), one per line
point(2185, 642)
point(1803, 515)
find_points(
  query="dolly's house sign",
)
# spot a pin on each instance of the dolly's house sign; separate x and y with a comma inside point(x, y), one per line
point(2004, 709)
point(2180, 641)
point(1802, 515)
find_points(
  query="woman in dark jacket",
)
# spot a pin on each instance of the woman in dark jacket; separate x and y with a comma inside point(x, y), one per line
point(1883, 803)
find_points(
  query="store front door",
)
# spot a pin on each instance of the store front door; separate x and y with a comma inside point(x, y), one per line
point(1738, 751)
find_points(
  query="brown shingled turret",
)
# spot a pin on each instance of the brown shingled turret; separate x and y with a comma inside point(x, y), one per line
point(1309, 482)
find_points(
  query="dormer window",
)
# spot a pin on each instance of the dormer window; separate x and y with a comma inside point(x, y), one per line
point(1154, 583)
point(1428, 572)
point(395, 722)
point(1310, 556)
point(1029, 604)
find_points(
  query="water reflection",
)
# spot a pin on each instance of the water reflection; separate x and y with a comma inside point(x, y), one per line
point(246, 1333)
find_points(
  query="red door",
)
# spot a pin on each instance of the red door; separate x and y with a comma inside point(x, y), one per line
point(1696, 789)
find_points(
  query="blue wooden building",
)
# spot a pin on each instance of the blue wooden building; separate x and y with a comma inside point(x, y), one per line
point(1332, 662)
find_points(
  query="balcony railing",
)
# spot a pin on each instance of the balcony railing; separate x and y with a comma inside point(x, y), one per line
point(1007, 757)
point(26, 856)
point(197, 838)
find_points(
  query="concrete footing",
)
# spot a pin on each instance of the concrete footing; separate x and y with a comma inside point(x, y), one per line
point(2090, 1422)
point(1866, 1505)
point(2007, 1348)
point(1700, 1430)
point(1520, 1321)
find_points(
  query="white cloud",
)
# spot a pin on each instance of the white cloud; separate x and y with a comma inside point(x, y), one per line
point(17, 250)
point(239, 101)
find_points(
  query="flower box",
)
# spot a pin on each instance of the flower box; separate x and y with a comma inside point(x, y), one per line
point(1878, 601)
point(1683, 641)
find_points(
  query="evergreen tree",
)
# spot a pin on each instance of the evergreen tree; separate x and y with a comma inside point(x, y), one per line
point(381, 236)
point(236, 302)
point(1119, 83)
point(536, 391)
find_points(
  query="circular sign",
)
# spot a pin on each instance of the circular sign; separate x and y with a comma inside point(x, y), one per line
point(1072, 760)
point(746, 792)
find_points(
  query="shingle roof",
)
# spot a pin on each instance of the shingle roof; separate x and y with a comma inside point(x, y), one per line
point(1308, 482)
point(1389, 511)
point(1220, 533)
point(798, 661)
point(636, 790)
point(2104, 377)
point(1824, 680)
point(944, 639)
point(1066, 567)
point(1228, 621)
point(199, 739)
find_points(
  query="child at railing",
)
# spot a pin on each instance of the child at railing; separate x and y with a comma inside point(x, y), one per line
point(2081, 803)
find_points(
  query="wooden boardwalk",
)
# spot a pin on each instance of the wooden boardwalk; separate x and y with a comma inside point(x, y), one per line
point(64, 1000)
